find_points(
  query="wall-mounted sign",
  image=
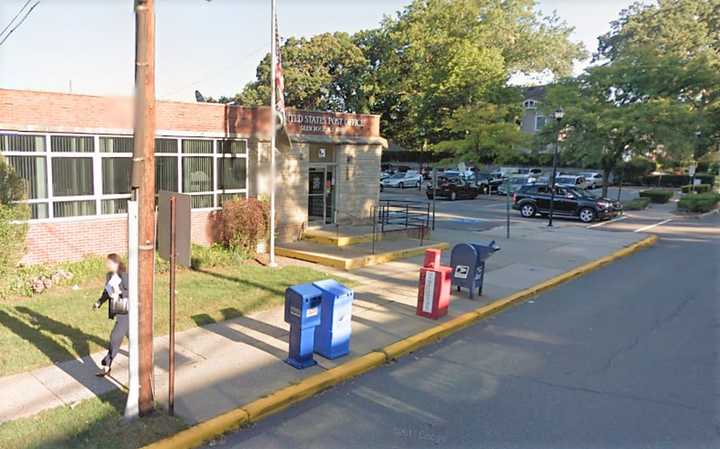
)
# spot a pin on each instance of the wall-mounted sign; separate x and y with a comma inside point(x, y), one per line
point(319, 123)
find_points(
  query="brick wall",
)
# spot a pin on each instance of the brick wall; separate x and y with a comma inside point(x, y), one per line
point(74, 240)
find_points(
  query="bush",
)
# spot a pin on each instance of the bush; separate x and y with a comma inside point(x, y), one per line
point(12, 236)
point(634, 171)
point(244, 224)
point(676, 180)
point(699, 202)
point(659, 196)
point(637, 204)
point(701, 188)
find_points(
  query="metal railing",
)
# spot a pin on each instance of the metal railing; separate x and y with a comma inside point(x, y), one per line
point(398, 215)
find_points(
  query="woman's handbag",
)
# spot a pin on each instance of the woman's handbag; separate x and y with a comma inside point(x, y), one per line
point(118, 305)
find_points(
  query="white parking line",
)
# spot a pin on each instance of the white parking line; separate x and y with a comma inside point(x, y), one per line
point(602, 223)
point(647, 228)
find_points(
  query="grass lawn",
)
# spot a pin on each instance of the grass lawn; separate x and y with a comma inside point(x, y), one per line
point(92, 424)
point(61, 325)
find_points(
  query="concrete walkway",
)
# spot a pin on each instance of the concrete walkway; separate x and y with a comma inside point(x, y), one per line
point(224, 365)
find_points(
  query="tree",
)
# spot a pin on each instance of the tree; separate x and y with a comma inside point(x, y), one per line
point(438, 56)
point(321, 73)
point(12, 230)
point(488, 131)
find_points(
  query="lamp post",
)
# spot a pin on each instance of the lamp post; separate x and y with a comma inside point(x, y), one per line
point(559, 114)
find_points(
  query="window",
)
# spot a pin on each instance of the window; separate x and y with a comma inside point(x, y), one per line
point(231, 173)
point(166, 146)
point(116, 175)
point(72, 176)
point(116, 144)
point(322, 153)
point(197, 174)
point(84, 175)
point(166, 174)
point(73, 208)
point(539, 122)
point(72, 144)
point(529, 104)
point(22, 142)
point(197, 146)
point(233, 146)
point(32, 169)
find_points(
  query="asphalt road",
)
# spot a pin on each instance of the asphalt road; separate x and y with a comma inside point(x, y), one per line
point(625, 357)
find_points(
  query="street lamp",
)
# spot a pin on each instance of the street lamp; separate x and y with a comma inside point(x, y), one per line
point(559, 114)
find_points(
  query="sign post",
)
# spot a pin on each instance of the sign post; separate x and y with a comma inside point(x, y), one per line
point(132, 407)
point(174, 246)
point(434, 191)
point(507, 208)
point(691, 172)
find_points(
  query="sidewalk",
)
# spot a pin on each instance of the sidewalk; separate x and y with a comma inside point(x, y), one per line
point(224, 365)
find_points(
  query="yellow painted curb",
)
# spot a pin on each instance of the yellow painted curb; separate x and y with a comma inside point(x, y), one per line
point(287, 396)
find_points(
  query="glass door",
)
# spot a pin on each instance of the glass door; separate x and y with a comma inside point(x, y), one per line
point(321, 194)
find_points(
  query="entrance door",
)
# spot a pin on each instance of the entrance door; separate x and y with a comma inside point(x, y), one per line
point(321, 194)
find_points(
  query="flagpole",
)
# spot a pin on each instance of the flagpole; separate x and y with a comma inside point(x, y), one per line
point(273, 108)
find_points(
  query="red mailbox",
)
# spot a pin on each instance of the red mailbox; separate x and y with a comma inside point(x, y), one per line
point(434, 287)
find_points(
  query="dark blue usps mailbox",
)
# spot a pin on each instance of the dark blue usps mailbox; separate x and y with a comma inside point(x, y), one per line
point(468, 264)
point(302, 312)
point(332, 337)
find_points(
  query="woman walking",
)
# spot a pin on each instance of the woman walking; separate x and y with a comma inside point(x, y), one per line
point(115, 294)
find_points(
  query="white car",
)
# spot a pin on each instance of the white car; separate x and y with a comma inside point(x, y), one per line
point(594, 179)
point(410, 179)
point(578, 182)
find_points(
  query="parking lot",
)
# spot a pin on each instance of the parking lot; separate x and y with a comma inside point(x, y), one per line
point(488, 211)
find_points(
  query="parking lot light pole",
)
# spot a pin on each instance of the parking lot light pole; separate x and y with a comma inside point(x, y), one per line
point(559, 114)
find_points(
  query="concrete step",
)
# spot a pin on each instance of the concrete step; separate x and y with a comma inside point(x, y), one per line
point(359, 255)
point(355, 235)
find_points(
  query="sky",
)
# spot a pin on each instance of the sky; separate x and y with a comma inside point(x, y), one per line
point(87, 46)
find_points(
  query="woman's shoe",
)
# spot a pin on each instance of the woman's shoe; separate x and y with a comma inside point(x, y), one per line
point(103, 372)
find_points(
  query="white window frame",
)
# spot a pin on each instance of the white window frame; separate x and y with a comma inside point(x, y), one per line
point(97, 160)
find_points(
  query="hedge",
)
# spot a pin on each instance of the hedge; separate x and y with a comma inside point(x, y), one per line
point(699, 202)
point(676, 180)
point(659, 196)
point(637, 204)
point(701, 188)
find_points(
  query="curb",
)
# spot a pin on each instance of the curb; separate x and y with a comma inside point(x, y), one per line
point(285, 397)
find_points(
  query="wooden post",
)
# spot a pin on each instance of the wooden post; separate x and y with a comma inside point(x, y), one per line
point(143, 183)
point(173, 266)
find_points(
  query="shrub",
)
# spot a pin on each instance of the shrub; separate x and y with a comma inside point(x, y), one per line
point(12, 186)
point(701, 188)
point(659, 196)
point(637, 204)
point(699, 202)
point(12, 236)
point(244, 224)
point(634, 171)
point(676, 180)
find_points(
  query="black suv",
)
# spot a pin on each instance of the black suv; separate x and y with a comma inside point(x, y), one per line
point(571, 202)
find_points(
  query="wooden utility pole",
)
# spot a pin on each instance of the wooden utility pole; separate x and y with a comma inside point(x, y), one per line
point(143, 182)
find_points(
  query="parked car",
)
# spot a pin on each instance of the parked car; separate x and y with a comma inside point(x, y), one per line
point(402, 180)
point(515, 182)
point(594, 179)
point(578, 182)
point(535, 172)
point(569, 202)
point(453, 186)
point(487, 182)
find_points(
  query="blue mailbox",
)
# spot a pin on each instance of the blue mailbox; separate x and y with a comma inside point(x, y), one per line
point(302, 312)
point(468, 264)
point(332, 337)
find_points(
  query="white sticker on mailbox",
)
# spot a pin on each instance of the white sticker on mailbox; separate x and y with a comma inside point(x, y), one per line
point(429, 292)
point(312, 312)
point(461, 271)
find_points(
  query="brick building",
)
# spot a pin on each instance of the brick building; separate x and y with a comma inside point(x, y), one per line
point(74, 152)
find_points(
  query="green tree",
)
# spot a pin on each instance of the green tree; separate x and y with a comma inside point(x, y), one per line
point(321, 73)
point(438, 56)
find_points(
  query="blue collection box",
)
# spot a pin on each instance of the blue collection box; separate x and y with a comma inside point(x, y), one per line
point(332, 336)
point(302, 312)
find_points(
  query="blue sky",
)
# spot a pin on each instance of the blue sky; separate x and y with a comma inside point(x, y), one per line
point(211, 46)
